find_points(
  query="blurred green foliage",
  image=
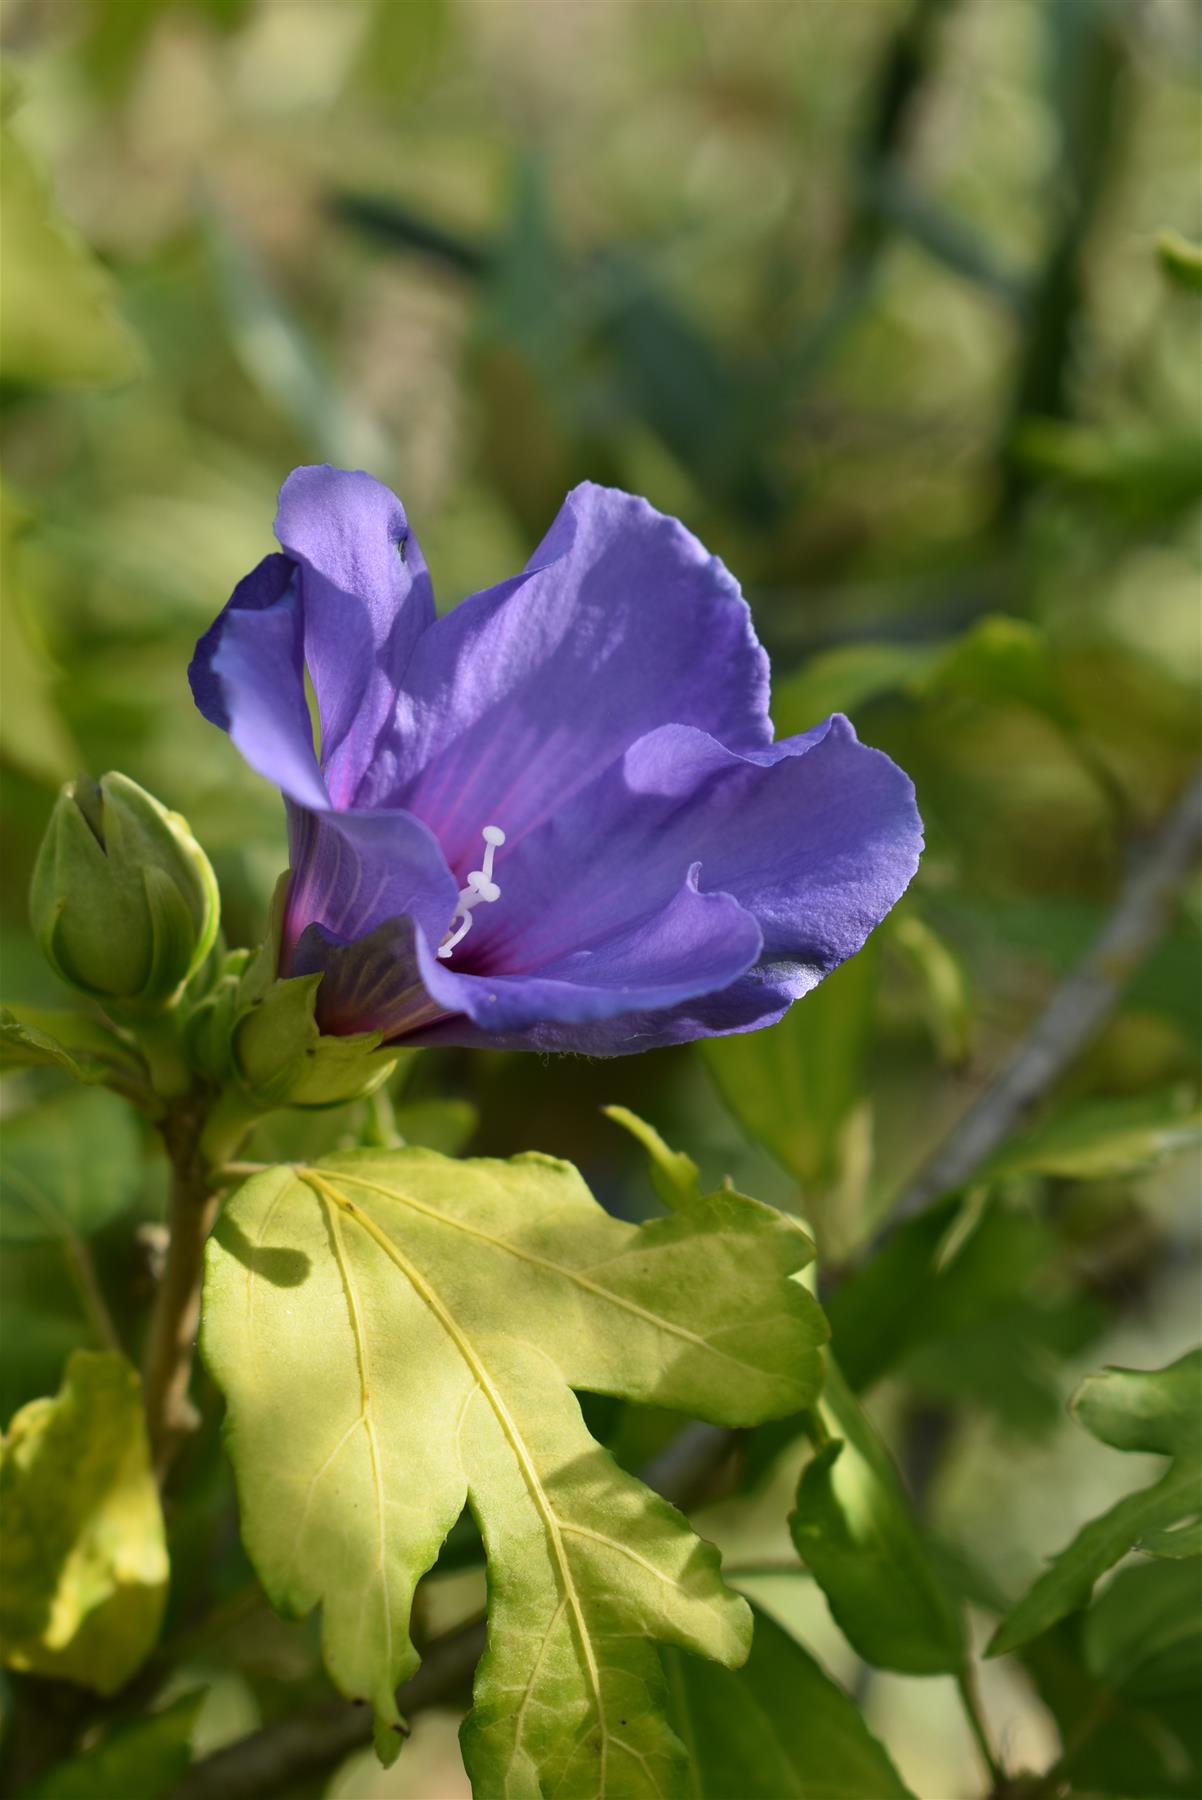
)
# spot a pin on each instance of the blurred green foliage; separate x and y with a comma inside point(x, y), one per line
point(895, 304)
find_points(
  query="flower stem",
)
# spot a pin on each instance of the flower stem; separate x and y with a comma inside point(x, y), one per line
point(159, 1041)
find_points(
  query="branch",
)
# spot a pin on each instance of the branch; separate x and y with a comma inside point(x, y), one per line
point(1074, 1014)
point(278, 1758)
point(175, 1316)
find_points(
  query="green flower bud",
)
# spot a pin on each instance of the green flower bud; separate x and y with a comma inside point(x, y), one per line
point(124, 903)
point(280, 1057)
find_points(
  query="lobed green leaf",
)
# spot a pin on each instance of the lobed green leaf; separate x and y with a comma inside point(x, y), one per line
point(777, 1726)
point(435, 1315)
point(853, 1529)
point(1158, 1410)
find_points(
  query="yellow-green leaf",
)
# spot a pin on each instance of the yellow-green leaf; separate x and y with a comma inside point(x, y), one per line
point(83, 1559)
point(435, 1316)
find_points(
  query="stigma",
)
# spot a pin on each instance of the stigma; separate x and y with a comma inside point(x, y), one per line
point(480, 889)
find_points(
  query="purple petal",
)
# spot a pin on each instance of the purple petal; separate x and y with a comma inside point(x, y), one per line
point(816, 838)
point(353, 872)
point(691, 945)
point(819, 836)
point(248, 677)
point(370, 983)
point(525, 693)
point(747, 1004)
point(366, 600)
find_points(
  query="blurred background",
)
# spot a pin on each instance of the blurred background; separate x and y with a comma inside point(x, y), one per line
point(872, 294)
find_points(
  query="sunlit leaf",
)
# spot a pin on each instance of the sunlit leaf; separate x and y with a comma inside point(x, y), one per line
point(435, 1315)
point(83, 1561)
point(778, 1726)
point(854, 1531)
point(1157, 1410)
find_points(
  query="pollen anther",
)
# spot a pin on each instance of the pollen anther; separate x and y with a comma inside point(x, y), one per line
point(481, 888)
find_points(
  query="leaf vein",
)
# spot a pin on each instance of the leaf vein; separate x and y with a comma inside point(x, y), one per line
point(542, 1502)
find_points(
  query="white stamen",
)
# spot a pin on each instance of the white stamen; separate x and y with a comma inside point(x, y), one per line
point(480, 888)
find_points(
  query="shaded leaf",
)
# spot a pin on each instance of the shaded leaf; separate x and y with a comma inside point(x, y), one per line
point(282, 361)
point(59, 325)
point(33, 735)
point(435, 1314)
point(1145, 474)
point(1102, 1138)
point(794, 1085)
point(1180, 1542)
point(854, 1531)
point(947, 1270)
point(777, 1726)
point(1115, 1742)
point(83, 1559)
point(443, 1125)
point(846, 678)
point(999, 659)
point(946, 994)
point(1144, 1635)
point(145, 1760)
point(1180, 259)
point(1158, 1410)
point(34, 1038)
point(70, 1165)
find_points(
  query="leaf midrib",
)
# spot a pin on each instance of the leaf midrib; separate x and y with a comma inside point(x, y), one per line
point(327, 1192)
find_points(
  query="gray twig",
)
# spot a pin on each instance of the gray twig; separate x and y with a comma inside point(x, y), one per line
point(275, 1759)
point(1073, 1015)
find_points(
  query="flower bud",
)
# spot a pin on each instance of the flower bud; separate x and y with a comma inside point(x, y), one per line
point(280, 1055)
point(282, 1059)
point(124, 903)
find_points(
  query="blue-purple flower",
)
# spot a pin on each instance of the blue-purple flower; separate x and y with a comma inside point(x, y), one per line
point(555, 818)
